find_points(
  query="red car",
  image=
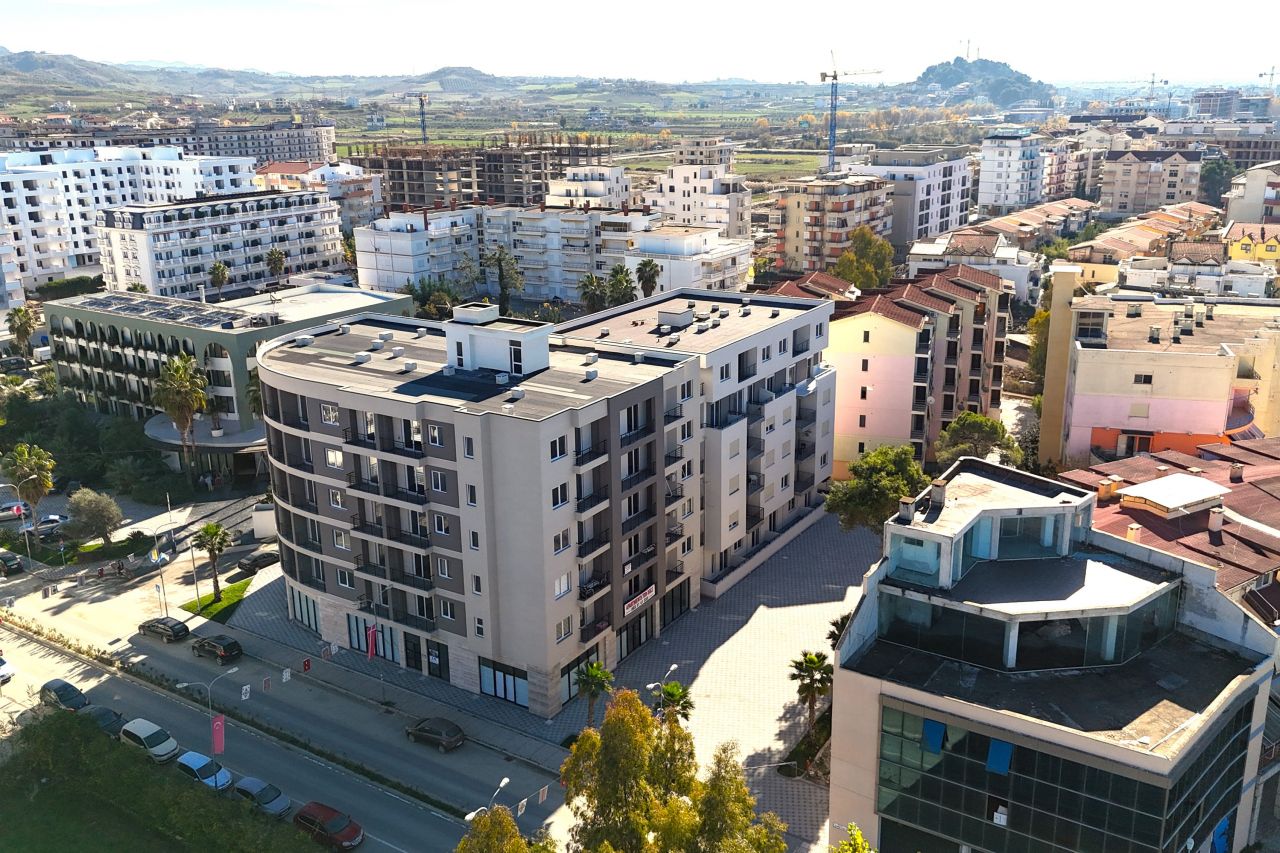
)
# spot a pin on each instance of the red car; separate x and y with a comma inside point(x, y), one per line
point(328, 826)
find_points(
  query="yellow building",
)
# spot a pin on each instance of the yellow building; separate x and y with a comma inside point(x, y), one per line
point(1249, 241)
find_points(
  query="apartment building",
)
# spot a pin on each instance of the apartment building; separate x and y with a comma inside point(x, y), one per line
point(597, 186)
point(1136, 182)
point(659, 445)
point(929, 187)
point(1147, 234)
point(708, 151)
point(169, 247)
point(108, 349)
point(358, 194)
point(690, 256)
point(426, 245)
point(982, 249)
point(1255, 195)
point(90, 180)
point(704, 194)
point(1192, 268)
point(1252, 241)
point(1013, 678)
point(1215, 103)
point(814, 219)
point(1012, 172)
point(11, 293)
point(1248, 142)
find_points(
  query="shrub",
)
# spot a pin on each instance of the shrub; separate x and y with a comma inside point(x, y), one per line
point(74, 286)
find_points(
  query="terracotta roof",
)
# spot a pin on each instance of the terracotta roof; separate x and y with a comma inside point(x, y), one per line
point(819, 285)
point(287, 167)
point(1197, 252)
point(890, 310)
point(950, 287)
point(912, 294)
point(971, 275)
point(1253, 230)
point(962, 243)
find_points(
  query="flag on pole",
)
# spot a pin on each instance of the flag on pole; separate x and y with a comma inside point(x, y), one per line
point(219, 724)
point(371, 638)
point(520, 808)
point(542, 795)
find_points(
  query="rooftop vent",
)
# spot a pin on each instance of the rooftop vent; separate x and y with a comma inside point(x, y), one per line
point(745, 310)
point(363, 357)
point(673, 340)
point(774, 312)
point(702, 315)
point(702, 327)
point(715, 322)
point(639, 358)
point(385, 336)
point(1200, 318)
point(344, 329)
point(420, 332)
point(1215, 518)
point(592, 357)
point(1208, 311)
point(746, 300)
point(1134, 533)
point(449, 370)
point(1177, 338)
point(1133, 309)
point(591, 374)
point(409, 367)
point(664, 330)
point(397, 352)
point(502, 378)
point(517, 394)
point(724, 312)
point(304, 340)
point(1237, 472)
point(1162, 468)
point(507, 408)
point(1153, 334)
point(1194, 471)
point(604, 331)
point(906, 510)
point(375, 344)
point(689, 304)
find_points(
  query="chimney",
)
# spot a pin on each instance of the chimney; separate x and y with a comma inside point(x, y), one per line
point(938, 493)
point(645, 210)
point(453, 203)
point(437, 204)
point(626, 208)
point(1237, 472)
point(1104, 489)
point(542, 207)
point(906, 510)
point(1194, 471)
point(1215, 519)
point(1134, 533)
point(201, 288)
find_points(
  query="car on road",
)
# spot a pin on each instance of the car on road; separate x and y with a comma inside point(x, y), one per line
point(63, 695)
point(328, 826)
point(225, 649)
point(46, 526)
point(203, 769)
point(111, 722)
point(158, 743)
point(10, 564)
point(9, 510)
point(261, 560)
point(263, 796)
point(7, 672)
point(437, 731)
point(165, 627)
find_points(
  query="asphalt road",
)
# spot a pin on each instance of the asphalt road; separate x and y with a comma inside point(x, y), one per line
point(391, 821)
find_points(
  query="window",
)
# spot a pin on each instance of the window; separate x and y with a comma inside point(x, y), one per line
point(862, 421)
point(337, 499)
point(782, 347)
point(471, 495)
point(333, 458)
point(441, 524)
point(766, 353)
point(686, 430)
point(686, 390)
point(459, 361)
point(468, 448)
point(340, 540)
point(564, 628)
point(475, 540)
point(563, 585)
point(686, 546)
point(345, 579)
point(479, 626)
point(434, 437)
point(439, 481)
point(724, 372)
point(560, 495)
point(866, 365)
point(686, 470)
point(866, 337)
point(818, 329)
point(862, 393)
point(862, 447)
point(448, 610)
point(504, 682)
point(560, 541)
point(329, 414)
point(1142, 379)
point(442, 568)
point(559, 447)
point(477, 586)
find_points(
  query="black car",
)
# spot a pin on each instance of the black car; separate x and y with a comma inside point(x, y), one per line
point(252, 564)
point(222, 647)
point(437, 731)
point(165, 627)
point(10, 563)
point(60, 694)
point(111, 722)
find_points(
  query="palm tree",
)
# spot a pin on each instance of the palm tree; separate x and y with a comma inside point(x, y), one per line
point(622, 287)
point(47, 382)
point(647, 272)
point(593, 292)
point(837, 628)
point(213, 539)
point(594, 681)
point(254, 393)
point(275, 263)
point(137, 287)
point(671, 698)
point(30, 468)
point(218, 275)
point(814, 674)
point(23, 322)
point(180, 392)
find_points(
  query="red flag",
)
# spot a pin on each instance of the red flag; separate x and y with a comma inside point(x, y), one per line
point(371, 638)
point(219, 724)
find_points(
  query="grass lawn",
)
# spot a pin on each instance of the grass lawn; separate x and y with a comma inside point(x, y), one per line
point(775, 167)
point(51, 822)
point(51, 555)
point(232, 594)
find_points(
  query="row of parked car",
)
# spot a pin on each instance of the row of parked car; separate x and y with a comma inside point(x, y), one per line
point(323, 823)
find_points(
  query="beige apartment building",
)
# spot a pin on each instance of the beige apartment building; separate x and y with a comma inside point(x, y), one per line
point(1136, 182)
point(814, 218)
point(494, 501)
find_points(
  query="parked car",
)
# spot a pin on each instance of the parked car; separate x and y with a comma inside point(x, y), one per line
point(46, 526)
point(264, 796)
point(13, 364)
point(261, 560)
point(328, 826)
point(7, 672)
point(203, 769)
point(165, 627)
point(437, 731)
point(63, 695)
point(9, 510)
point(158, 743)
point(10, 564)
point(111, 722)
point(220, 646)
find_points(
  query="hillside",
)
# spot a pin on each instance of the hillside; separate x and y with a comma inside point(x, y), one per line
point(996, 80)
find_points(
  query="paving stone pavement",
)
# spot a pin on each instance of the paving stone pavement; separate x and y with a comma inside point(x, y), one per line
point(733, 653)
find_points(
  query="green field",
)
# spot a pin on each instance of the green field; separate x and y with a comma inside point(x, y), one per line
point(232, 595)
point(776, 167)
point(52, 822)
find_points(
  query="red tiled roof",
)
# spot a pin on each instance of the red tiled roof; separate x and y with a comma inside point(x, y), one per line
point(971, 275)
point(287, 167)
point(1253, 230)
point(890, 310)
point(814, 285)
point(912, 294)
point(967, 243)
point(950, 287)
point(1197, 252)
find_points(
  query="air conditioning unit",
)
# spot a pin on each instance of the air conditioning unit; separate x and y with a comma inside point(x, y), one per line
point(385, 336)
point(375, 344)
point(344, 329)
point(409, 367)
point(517, 393)
point(604, 331)
point(397, 352)
point(593, 357)
point(420, 332)
point(363, 357)
point(304, 340)
point(638, 358)
point(591, 374)
point(673, 340)
point(502, 378)
point(449, 370)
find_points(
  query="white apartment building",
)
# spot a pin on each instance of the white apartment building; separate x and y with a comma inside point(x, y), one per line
point(1012, 171)
point(704, 195)
point(930, 188)
point(35, 221)
point(709, 151)
point(404, 248)
point(689, 256)
point(11, 293)
point(357, 192)
point(89, 180)
point(595, 186)
point(169, 247)
point(502, 501)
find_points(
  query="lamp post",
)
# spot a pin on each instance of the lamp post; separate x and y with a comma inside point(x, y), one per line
point(155, 541)
point(208, 692)
point(485, 809)
point(26, 532)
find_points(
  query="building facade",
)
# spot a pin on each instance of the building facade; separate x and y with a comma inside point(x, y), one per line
point(708, 151)
point(169, 248)
point(930, 188)
point(1012, 171)
point(1135, 182)
point(597, 186)
point(980, 249)
point(11, 293)
point(690, 256)
point(647, 473)
point(704, 194)
point(358, 194)
point(430, 245)
point(1248, 142)
point(1255, 195)
point(813, 219)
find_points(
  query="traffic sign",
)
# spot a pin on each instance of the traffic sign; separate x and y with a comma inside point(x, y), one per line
point(306, 664)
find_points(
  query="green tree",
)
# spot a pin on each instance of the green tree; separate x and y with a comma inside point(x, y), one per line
point(254, 393)
point(435, 300)
point(47, 382)
point(29, 467)
point(507, 271)
point(594, 681)
point(972, 434)
point(855, 843)
point(23, 322)
point(813, 674)
point(495, 831)
point(94, 514)
point(672, 699)
point(1215, 179)
point(647, 272)
point(868, 262)
point(349, 249)
point(1028, 441)
point(621, 286)
point(213, 539)
point(275, 263)
point(593, 292)
point(838, 626)
point(218, 275)
point(179, 391)
point(727, 811)
point(1057, 249)
point(760, 266)
point(1038, 351)
point(876, 483)
point(137, 287)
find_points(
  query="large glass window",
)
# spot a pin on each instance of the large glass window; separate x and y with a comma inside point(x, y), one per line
point(504, 682)
point(1028, 537)
point(942, 630)
point(914, 560)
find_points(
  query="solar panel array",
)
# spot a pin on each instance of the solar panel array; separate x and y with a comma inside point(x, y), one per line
point(160, 308)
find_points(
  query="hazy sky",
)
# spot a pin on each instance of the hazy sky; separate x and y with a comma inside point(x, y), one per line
point(658, 40)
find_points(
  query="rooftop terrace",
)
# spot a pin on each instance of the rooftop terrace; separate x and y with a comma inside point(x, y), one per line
point(1233, 322)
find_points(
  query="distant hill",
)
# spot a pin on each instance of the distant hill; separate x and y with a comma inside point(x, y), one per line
point(996, 80)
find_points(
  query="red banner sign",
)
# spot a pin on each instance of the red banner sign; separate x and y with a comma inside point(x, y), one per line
point(219, 724)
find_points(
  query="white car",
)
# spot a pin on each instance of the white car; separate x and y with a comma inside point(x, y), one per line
point(46, 526)
point(145, 734)
point(7, 672)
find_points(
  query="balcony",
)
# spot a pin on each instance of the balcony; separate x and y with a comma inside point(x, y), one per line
point(365, 567)
point(641, 558)
point(673, 414)
point(804, 482)
point(594, 499)
point(595, 543)
point(315, 582)
point(673, 456)
point(951, 359)
point(674, 493)
point(923, 346)
point(724, 421)
point(411, 620)
point(629, 438)
point(356, 438)
point(591, 454)
point(295, 420)
point(675, 532)
point(409, 496)
point(674, 571)
point(300, 465)
point(590, 632)
point(629, 483)
point(754, 517)
point(755, 485)
point(411, 451)
point(805, 450)
point(806, 417)
point(640, 519)
point(920, 376)
point(415, 581)
point(755, 412)
point(917, 433)
point(800, 348)
point(355, 481)
point(592, 587)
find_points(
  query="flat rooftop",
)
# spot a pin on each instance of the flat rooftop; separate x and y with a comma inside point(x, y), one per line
point(563, 385)
point(1160, 694)
point(312, 301)
point(1232, 323)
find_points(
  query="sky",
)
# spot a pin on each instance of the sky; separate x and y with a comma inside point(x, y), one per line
point(662, 40)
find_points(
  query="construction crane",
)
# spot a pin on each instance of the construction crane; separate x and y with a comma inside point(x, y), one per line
point(422, 116)
point(1271, 79)
point(834, 76)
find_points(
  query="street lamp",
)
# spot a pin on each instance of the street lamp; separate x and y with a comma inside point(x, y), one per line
point(155, 540)
point(26, 533)
point(657, 685)
point(208, 692)
point(485, 809)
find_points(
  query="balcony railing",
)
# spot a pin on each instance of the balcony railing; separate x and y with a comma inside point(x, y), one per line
point(596, 498)
point(595, 543)
point(673, 414)
point(674, 455)
point(371, 569)
point(755, 412)
point(675, 532)
point(674, 571)
point(409, 496)
point(807, 417)
point(804, 450)
point(803, 483)
point(642, 557)
point(724, 421)
point(755, 448)
point(674, 493)
point(415, 581)
point(754, 485)
point(315, 582)
point(629, 438)
point(638, 520)
point(356, 481)
point(590, 632)
point(592, 586)
point(412, 451)
point(637, 478)
point(358, 438)
point(420, 623)
point(300, 465)
point(590, 454)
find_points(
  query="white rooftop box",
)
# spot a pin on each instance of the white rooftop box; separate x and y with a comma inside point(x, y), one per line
point(475, 313)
